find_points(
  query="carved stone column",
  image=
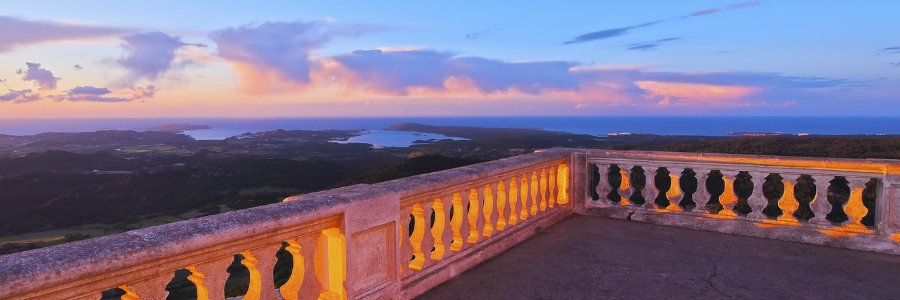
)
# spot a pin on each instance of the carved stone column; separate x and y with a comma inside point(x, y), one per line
point(650, 191)
point(757, 199)
point(820, 205)
point(701, 196)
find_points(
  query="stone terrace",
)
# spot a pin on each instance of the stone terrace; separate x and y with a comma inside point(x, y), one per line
point(588, 257)
point(608, 224)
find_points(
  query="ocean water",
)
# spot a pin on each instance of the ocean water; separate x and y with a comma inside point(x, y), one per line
point(599, 126)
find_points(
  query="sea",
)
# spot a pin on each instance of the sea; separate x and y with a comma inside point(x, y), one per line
point(375, 134)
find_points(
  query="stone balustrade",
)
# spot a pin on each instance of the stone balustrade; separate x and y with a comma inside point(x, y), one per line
point(397, 239)
point(839, 202)
point(356, 242)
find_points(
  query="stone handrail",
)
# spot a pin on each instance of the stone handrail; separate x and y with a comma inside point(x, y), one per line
point(611, 190)
point(356, 242)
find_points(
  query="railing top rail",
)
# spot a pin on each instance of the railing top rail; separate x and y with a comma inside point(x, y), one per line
point(877, 166)
point(59, 264)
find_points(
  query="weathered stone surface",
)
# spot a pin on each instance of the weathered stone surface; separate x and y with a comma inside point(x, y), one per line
point(588, 257)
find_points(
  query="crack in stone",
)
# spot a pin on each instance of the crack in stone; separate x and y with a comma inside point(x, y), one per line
point(715, 273)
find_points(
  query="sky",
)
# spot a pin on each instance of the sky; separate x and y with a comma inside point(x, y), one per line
point(253, 59)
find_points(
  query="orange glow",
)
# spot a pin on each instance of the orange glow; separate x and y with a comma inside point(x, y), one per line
point(665, 92)
point(197, 279)
point(788, 203)
point(437, 232)
point(896, 237)
point(331, 264)
point(417, 236)
point(562, 178)
point(513, 199)
point(456, 222)
point(501, 205)
point(474, 208)
point(624, 185)
point(290, 288)
point(255, 289)
point(488, 210)
point(129, 294)
point(728, 198)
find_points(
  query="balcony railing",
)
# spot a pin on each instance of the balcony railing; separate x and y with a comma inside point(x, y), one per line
point(397, 239)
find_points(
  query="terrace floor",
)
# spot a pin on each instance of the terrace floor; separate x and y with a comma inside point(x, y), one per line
point(586, 257)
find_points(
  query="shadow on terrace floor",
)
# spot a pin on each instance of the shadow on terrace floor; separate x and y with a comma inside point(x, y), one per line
point(585, 257)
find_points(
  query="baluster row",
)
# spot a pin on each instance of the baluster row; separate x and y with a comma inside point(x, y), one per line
point(621, 184)
point(318, 270)
point(435, 229)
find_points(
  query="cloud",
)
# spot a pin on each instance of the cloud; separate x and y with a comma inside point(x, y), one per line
point(150, 54)
point(77, 68)
point(715, 10)
point(889, 50)
point(398, 72)
point(476, 35)
point(41, 77)
point(19, 96)
point(608, 33)
point(896, 64)
point(650, 45)
point(278, 50)
point(614, 32)
point(102, 94)
point(430, 74)
point(19, 32)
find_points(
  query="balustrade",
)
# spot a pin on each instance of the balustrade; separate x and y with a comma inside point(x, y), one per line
point(399, 238)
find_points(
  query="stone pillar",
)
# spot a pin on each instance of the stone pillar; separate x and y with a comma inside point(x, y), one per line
point(650, 191)
point(215, 273)
point(701, 196)
point(757, 200)
point(820, 205)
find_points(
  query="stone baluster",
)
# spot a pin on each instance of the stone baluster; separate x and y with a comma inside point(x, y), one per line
point(650, 191)
point(460, 221)
point(757, 200)
point(474, 216)
point(625, 187)
point(788, 202)
point(427, 233)
point(729, 197)
point(265, 265)
point(290, 290)
point(854, 208)
point(603, 187)
point(523, 197)
point(487, 208)
point(211, 275)
point(701, 196)
point(406, 247)
point(310, 288)
point(442, 231)
point(820, 205)
point(533, 187)
point(551, 182)
point(502, 201)
point(542, 189)
point(150, 288)
point(513, 201)
point(562, 184)
point(674, 194)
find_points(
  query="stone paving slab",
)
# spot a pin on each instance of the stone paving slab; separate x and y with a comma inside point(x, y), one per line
point(588, 257)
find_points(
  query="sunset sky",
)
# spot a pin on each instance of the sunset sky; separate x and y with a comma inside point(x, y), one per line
point(85, 59)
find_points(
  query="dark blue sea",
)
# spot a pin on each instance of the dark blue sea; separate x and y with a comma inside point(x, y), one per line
point(599, 126)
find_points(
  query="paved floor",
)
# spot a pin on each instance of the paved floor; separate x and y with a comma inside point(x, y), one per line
point(586, 257)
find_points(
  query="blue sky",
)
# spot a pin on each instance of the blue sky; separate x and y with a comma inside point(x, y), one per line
point(456, 58)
